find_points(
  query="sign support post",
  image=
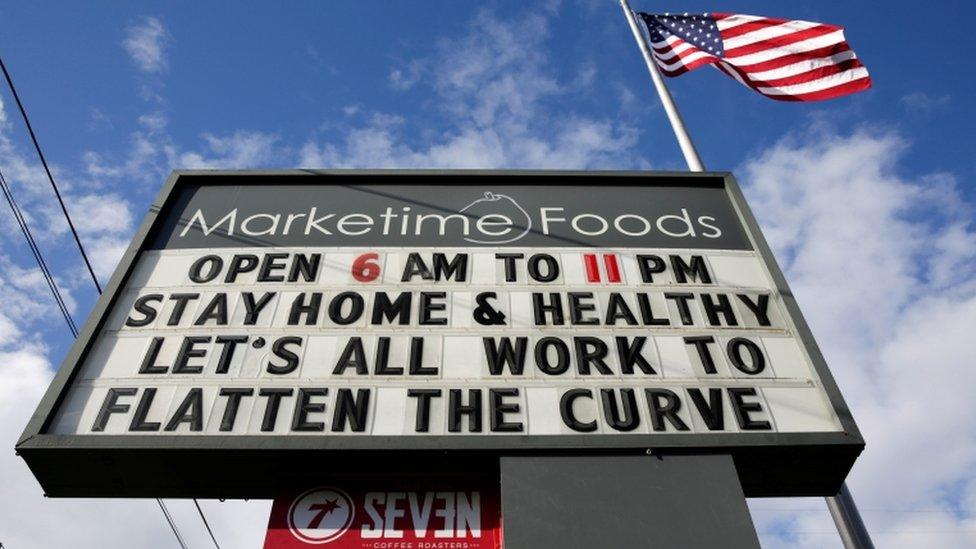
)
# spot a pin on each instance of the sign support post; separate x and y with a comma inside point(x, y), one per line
point(677, 124)
point(624, 501)
point(842, 508)
point(848, 520)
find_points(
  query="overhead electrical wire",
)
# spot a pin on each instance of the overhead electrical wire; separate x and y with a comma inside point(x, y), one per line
point(38, 256)
point(22, 222)
point(205, 523)
point(172, 524)
point(47, 170)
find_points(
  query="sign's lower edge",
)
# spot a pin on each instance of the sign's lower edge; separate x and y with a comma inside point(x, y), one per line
point(237, 473)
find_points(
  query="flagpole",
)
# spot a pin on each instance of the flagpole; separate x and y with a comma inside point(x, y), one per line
point(842, 509)
point(848, 521)
point(684, 140)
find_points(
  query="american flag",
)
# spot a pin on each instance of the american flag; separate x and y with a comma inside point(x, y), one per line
point(781, 59)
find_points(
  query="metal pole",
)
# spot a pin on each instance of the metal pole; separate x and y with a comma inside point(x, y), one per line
point(684, 140)
point(848, 520)
point(842, 508)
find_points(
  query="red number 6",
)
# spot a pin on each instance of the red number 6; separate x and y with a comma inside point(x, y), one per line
point(365, 268)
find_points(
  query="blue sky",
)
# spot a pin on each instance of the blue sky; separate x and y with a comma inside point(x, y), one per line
point(291, 72)
point(868, 200)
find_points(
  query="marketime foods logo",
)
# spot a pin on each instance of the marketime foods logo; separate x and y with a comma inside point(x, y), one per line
point(490, 219)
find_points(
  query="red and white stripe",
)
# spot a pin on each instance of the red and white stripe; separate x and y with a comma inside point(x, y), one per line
point(781, 59)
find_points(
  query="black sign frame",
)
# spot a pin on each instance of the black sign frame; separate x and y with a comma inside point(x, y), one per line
point(243, 466)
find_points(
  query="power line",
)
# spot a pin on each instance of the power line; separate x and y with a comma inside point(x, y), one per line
point(81, 248)
point(50, 177)
point(172, 524)
point(19, 216)
point(205, 523)
point(22, 221)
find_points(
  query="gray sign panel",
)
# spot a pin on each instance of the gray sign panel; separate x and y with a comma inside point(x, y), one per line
point(276, 328)
point(491, 211)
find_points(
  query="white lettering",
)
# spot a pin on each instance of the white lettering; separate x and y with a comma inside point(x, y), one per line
point(618, 223)
point(289, 220)
point(375, 529)
point(716, 232)
point(577, 222)
point(469, 515)
point(544, 214)
point(420, 513)
point(447, 514)
point(355, 220)
point(230, 218)
point(443, 222)
point(272, 228)
point(484, 224)
point(391, 514)
point(387, 216)
point(683, 218)
point(313, 222)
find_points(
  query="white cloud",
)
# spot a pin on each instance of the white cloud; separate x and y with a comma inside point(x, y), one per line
point(922, 102)
point(242, 149)
point(499, 100)
point(93, 214)
point(153, 122)
point(98, 119)
point(884, 268)
point(103, 219)
point(146, 44)
point(146, 161)
point(26, 296)
point(586, 75)
point(496, 94)
point(498, 73)
point(28, 519)
point(105, 222)
point(24, 177)
point(153, 154)
point(404, 77)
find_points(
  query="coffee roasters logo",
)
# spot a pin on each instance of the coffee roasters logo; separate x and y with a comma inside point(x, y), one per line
point(320, 515)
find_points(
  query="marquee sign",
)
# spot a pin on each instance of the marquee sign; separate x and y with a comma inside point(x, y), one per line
point(266, 321)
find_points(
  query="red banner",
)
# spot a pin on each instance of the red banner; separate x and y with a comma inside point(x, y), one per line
point(458, 515)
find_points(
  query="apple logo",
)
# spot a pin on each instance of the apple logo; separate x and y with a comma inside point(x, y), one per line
point(498, 206)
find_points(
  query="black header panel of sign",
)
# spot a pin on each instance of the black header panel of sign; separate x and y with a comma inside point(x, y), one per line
point(353, 210)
